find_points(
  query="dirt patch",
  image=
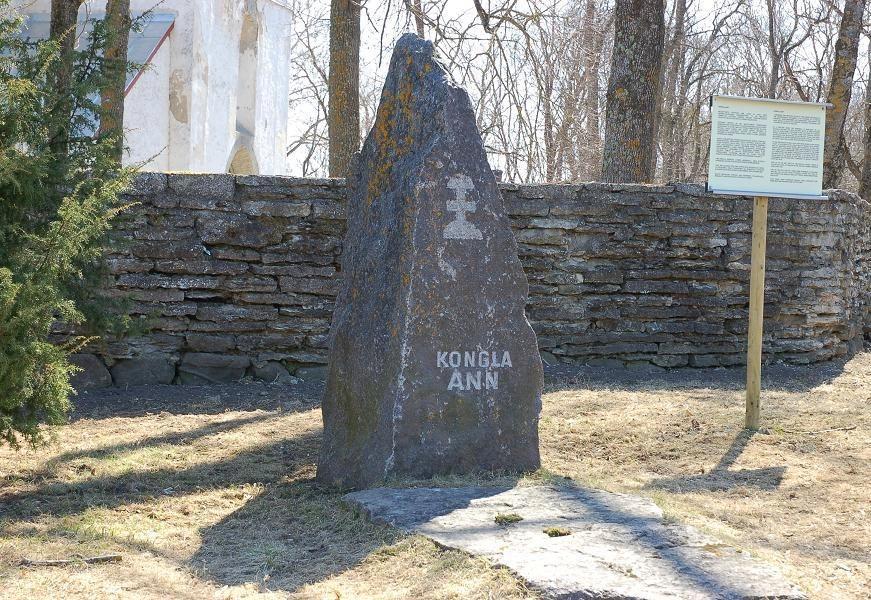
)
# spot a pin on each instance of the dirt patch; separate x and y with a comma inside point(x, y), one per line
point(209, 492)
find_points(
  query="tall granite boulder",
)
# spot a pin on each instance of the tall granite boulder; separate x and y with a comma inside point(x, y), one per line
point(434, 367)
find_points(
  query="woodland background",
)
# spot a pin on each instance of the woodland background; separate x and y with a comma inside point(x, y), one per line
point(541, 73)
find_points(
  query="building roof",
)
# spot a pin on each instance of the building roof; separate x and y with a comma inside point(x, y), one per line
point(145, 40)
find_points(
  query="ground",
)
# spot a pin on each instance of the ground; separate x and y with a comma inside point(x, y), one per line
point(209, 492)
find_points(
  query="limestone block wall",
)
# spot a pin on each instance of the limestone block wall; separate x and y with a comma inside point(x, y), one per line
point(237, 276)
point(622, 274)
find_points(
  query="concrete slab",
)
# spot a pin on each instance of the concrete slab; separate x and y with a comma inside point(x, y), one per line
point(606, 545)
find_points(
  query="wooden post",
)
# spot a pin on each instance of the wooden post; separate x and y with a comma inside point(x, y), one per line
point(757, 302)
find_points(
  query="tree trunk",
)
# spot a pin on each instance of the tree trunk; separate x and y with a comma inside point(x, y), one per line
point(415, 7)
point(115, 74)
point(672, 65)
point(62, 29)
point(633, 91)
point(840, 90)
point(344, 85)
point(865, 180)
point(591, 154)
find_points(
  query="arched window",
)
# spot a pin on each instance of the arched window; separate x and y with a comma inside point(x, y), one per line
point(243, 162)
point(242, 159)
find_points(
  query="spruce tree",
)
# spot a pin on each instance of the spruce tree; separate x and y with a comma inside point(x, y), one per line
point(57, 201)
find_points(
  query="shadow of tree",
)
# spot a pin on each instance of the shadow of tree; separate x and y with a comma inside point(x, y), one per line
point(261, 464)
point(175, 437)
point(776, 377)
point(135, 401)
point(293, 534)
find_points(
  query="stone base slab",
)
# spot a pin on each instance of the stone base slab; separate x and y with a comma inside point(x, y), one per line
point(605, 545)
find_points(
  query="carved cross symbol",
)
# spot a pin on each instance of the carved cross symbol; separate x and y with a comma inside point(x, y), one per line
point(460, 228)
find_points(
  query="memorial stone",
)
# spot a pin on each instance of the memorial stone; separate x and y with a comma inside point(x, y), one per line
point(434, 367)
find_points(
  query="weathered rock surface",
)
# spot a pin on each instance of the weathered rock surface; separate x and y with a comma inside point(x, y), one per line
point(93, 373)
point(200, 368)
point(617, 546)
point(433, 365)
point(143, 370)
point(273, 372)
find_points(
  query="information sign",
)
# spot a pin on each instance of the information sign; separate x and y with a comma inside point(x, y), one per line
point(763, 147)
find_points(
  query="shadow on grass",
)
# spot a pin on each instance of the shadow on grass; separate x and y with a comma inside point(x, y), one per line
point(784, 378)
point(263, 464)
point(720, 478)
point(293, 534)
point(294, 531)
point(173, 438)
point(137, 401)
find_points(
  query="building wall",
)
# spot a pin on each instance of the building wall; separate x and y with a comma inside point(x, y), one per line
point(273, 85)
point(239, 272)
point(184, 107)
point(205, 76)
point(146, 115)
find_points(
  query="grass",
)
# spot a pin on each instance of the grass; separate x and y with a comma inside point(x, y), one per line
point(507, 519)
point(212, 494)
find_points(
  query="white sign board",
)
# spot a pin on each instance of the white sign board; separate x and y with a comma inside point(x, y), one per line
point(762, 147)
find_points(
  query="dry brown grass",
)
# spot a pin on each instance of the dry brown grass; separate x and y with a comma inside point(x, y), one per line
point(798, 499)
point(204, 504)
point(211, 494)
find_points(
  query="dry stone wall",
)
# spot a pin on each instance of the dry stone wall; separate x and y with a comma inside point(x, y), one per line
point(237, 276)
point(626, 274)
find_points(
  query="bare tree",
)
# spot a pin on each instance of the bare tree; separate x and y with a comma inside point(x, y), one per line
point(539, 75)
point(115, 73)
point(309, 61)
point(344, 85)
point(633, 91)
point(415, 8)
point(668, 109)
point(841, 89)
point(863, 172)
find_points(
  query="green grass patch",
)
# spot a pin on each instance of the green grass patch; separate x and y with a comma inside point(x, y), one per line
point(507, 518)
point(557, 531)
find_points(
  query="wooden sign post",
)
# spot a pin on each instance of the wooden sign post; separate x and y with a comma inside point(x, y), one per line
point(761, 148)
point(757, 304)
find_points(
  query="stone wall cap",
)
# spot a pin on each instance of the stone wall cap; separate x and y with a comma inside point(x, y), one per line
point(286, 180)
point(152, 182)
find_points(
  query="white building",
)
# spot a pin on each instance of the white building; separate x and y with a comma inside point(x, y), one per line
point(214, 94)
